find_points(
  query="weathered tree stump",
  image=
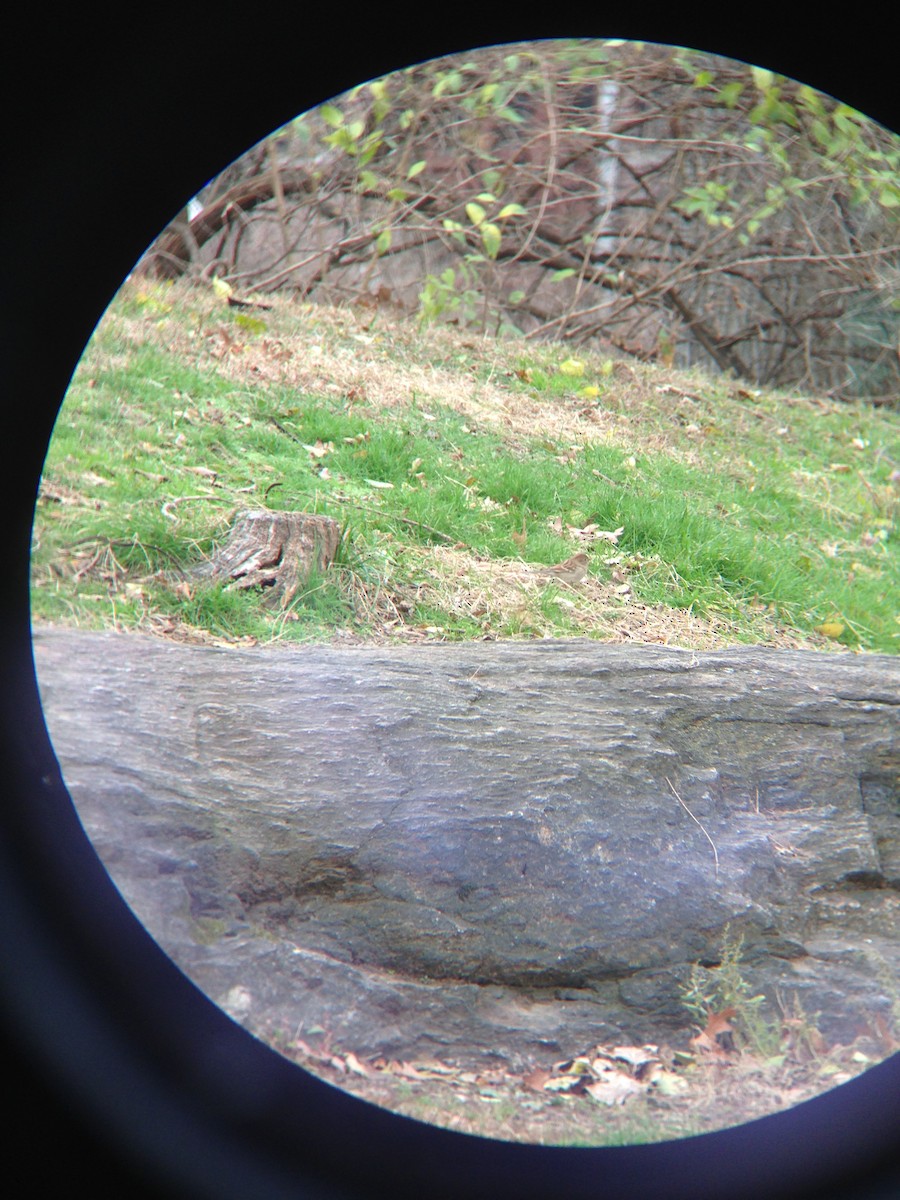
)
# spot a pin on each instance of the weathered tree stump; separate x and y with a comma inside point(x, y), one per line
point(277, 550)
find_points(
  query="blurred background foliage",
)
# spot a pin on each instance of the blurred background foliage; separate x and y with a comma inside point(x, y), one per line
point(652, 200)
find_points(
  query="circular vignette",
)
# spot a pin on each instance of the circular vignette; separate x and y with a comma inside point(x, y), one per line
point(126, 1074)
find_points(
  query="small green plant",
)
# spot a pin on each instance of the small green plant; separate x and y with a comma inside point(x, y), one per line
point(712, 989)
point(451, 294)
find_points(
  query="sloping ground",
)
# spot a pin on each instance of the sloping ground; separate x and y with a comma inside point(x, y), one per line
point(409, 581)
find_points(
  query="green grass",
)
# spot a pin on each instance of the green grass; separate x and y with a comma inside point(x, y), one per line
point(732, 504)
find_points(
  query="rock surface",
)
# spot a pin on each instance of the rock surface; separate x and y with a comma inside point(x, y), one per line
point(512, 849)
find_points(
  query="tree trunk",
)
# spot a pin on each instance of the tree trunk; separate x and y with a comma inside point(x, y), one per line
point(277, 550)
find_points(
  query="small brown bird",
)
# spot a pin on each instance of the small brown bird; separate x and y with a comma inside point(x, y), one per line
point(573, 570)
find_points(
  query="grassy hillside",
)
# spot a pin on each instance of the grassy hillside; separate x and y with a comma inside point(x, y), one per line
point(711, 513)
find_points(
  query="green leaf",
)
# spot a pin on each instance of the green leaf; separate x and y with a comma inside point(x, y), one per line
point(490, 237)
point(703, 79)
point(730, 93)
point(251, 324)
point(416, 169)
point(562, 274)
point(397, 194)
point(450, 82)
point(331, 115)
point(847, 119)
point(511, 210)
point(475, 212)
point(762, 78)
point(821, 132)
point(383, 242)
point(341, 139)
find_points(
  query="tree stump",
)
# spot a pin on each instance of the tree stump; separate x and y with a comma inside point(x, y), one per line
point(277, 550)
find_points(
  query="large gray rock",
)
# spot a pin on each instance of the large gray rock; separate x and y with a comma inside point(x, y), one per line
point(517, 849)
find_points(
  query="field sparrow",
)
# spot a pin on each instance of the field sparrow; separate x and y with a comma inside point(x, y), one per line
point(573, 570)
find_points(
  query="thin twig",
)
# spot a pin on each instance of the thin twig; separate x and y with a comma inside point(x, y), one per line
point(287, 433)
point(406, 521)
point(696, 822)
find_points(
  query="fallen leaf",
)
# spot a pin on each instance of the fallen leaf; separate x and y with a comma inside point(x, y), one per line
point(720, 1022)
point(434, 1066)
point(610, 535)
point(562, 1083)
point(635, 1056)
point(405, 1070)
point(593, 533)
point(613, 1088)
point(536, 1079)
point(575, 1066)
point(716, 1025)
point(669, 1084)
point(355, 1065)
point(319, 448)
point(830, 629)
